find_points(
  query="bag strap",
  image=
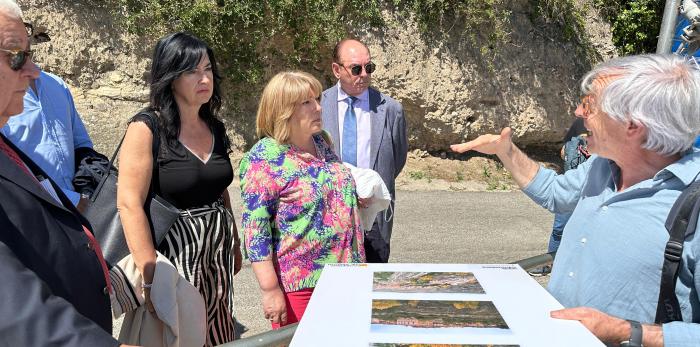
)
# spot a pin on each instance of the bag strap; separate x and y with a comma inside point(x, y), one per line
point(156, 146)
point(681, 222)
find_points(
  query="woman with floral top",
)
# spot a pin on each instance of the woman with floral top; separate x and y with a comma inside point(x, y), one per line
point(300, 208)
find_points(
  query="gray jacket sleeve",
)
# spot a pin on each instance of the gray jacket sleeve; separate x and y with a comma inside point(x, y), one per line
point(400, 140)
point(31, 316)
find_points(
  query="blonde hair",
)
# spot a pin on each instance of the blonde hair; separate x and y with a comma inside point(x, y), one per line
point(280, 97)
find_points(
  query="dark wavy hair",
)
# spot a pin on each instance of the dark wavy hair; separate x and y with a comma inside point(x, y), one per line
point(174, 55)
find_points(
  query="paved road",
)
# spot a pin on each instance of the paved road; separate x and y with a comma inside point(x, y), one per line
point(436, 227)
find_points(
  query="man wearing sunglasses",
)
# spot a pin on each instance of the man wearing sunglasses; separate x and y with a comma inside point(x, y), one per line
point(642, 114)
point(368, 130)
point(55, 288)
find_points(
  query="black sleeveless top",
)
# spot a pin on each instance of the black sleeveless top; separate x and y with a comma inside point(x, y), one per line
point(183, 179)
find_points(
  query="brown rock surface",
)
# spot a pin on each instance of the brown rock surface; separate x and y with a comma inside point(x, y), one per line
point(451, 88)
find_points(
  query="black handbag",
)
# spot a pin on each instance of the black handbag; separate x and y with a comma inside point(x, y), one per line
point(101, 210)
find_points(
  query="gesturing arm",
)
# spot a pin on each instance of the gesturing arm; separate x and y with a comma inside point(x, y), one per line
point(522, 168)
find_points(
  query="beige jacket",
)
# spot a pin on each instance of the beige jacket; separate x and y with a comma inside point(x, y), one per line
point(181, 313)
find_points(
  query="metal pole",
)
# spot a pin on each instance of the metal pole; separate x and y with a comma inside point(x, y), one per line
point(538, 260)
point(273, 338)
point(668, 27)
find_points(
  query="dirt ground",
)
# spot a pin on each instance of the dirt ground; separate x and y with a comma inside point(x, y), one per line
point(464, 172)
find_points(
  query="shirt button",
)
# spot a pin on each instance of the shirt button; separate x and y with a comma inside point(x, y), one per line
point(105, 291)
point(571, 274)
point(583, 240)
point(605, 208)
point(89, 246)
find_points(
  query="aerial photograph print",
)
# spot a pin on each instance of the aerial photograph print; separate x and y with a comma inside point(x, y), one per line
point(427, 282)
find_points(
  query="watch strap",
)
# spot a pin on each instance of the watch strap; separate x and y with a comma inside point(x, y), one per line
point(636, 334)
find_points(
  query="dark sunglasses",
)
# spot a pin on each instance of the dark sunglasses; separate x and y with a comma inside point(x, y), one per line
point(17, 58)
point(356, 70)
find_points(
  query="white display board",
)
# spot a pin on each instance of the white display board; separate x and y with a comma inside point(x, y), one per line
point(397, 305)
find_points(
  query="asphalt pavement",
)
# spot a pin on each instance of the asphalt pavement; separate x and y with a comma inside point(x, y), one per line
point(434, 227)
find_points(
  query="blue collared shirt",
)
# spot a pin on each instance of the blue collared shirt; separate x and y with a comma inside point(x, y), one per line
point(49, 130)
point(612, 249)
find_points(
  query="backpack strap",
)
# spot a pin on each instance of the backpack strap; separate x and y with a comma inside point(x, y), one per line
point(681, 222)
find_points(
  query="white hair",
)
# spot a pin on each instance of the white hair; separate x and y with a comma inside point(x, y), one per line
point(659, 91)
point(10, 8)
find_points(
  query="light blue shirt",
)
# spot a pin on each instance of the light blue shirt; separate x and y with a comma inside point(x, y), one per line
point(49, 130)
point(612, 249)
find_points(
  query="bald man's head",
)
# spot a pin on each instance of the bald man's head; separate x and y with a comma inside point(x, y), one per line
point(347, 44)
point(352, 66)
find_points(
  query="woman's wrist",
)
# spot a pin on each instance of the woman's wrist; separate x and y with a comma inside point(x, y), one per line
point(147, 267)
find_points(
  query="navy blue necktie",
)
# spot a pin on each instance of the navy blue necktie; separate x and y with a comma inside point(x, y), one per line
point(350, 133)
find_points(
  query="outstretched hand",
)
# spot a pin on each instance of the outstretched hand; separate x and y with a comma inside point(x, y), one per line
point(487, 144)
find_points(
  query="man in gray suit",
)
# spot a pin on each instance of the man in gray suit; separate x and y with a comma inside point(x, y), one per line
point(368, 130)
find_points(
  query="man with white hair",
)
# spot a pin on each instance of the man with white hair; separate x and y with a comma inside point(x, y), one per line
point(642, 114)
point(55, 286)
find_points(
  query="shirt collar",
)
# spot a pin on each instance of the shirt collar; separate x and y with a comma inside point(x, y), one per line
point(686, 168)
point(37, 84)
point(342, 95)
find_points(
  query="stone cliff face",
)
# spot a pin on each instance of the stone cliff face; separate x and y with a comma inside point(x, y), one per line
point(451, 89)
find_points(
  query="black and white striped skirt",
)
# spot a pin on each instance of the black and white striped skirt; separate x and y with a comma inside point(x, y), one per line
point(200, 245)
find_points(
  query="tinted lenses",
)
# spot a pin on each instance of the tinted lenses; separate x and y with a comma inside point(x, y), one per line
point(18, 58)
point(356, 70)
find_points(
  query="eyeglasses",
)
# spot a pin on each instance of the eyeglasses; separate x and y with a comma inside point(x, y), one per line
point(17, 57)
point(586, 104)
point(356, 69)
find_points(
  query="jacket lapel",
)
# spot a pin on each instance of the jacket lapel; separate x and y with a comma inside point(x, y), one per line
point(330, 110)
point(378, 117)
point(15, 174)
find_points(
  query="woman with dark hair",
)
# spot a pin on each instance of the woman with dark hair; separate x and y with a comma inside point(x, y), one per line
point(193, 173)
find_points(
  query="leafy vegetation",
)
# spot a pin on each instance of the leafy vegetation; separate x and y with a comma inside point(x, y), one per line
point(635, 23)
point(250, 35)
point(571, 18)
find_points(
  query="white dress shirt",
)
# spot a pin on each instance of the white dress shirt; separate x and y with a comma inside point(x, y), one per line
point(364, 125)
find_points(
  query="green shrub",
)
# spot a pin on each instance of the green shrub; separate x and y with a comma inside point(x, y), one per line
point(570, 17)
point(250, 35)
point(635, 23)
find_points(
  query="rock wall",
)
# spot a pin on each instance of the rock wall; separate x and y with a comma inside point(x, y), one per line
point(451, 89)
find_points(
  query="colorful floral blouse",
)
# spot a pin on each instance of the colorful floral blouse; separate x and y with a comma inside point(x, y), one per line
point(299, 211)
